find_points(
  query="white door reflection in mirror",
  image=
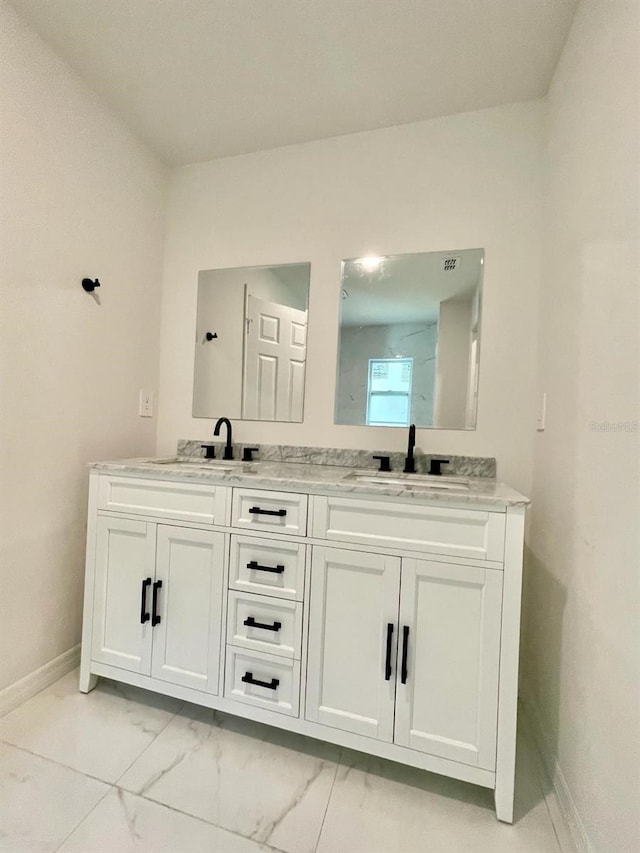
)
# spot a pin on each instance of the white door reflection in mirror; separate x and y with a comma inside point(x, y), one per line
point(274, 361)
point(421, 310)
point(270, 362)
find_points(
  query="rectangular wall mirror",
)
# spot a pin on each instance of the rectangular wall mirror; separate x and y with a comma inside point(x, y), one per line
point(251, 343)
point(409, 343)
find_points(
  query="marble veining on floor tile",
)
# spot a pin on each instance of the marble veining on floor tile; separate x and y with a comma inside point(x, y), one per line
point(99, 733)
point(204, 781)
point(252, 781)
point(126, 823)
point(377, 806)
point(41, 801)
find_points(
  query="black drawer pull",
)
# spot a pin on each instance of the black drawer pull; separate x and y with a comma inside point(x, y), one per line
point(405, 651)
point(270, 685)
point(387, 663)
point(255, 510)
point(155, 618)
point(278, 570)
point(144, 613)
point(251, 623)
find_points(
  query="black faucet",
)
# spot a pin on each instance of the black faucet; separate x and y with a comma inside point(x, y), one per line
point(409, 462)
point(228, 448)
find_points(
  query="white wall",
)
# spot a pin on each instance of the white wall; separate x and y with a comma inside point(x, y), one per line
point(454, 352)
point(465, 181)
point(582, 658)
point(78, 197)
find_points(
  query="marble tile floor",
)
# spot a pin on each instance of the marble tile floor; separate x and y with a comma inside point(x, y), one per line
point(121, 770)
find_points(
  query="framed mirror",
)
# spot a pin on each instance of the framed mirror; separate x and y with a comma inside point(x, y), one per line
point(251, 343)
point(409, 345)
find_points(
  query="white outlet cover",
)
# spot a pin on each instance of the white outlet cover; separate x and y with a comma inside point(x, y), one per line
point(145, 409)
point(542, 414)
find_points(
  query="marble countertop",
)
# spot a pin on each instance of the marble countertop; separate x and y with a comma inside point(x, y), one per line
point(321, 479)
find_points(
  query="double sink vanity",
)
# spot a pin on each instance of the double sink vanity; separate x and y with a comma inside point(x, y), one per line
point(375, 609)
point(378, 611)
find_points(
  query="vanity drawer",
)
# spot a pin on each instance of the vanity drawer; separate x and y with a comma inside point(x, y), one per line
point(267, 566)
point(263, 624)
point(279, 687)
point(471, 533)
point(205, 503)
point(276, 512)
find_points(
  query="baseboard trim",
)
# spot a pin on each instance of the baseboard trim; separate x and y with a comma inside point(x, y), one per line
point(562, 808)
point(18, 692)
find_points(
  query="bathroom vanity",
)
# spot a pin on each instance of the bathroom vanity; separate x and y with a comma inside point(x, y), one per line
point(377, 612)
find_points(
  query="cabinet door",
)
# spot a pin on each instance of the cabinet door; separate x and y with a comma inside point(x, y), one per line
point(354, 598)
point(125, 562)
point(186, 642)
point(448, 703)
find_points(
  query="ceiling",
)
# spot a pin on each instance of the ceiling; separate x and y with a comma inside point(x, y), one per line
point(200, 79)
point(406, 288)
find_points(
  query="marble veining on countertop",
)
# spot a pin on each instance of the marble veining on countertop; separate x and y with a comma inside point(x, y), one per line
point(319, 479)
point(458, 466)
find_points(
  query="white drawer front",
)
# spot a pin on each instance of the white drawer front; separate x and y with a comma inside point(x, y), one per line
point(267, 566)
point(207, 504)
point(471, 533)
point(279, 687)
point(263, 624)
point(276, 512)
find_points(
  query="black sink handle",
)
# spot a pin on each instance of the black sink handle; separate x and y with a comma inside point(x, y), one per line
point(434, 466)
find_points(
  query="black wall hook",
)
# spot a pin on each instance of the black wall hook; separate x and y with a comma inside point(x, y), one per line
point(211, 335)
point(89, 285)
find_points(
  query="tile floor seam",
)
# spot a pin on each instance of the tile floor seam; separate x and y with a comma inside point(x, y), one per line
point(326, 808)
point(554, 835)
point(151, 742)
point(82, 820)
point(57, 763)
point(203, 820)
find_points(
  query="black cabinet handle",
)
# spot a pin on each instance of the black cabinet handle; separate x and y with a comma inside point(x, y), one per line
point(405, 650)
point(155, 618)
point(278, 570)
point(387, 663)
point(270, 685)
point(251, 623)
point(144, 613)
point(255, 510)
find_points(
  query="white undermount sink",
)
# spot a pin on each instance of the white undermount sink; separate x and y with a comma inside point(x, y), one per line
point(415, 482)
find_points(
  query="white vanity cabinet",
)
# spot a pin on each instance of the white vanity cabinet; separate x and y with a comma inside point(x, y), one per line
point(386, 625)
point(354, 598)
point(158, 600)
point(448, 661)
point(406, 651)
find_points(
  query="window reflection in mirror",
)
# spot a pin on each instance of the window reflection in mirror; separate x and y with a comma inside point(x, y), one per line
point(410, 340)
point(251, 343)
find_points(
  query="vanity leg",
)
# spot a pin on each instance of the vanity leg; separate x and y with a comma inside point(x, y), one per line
point(87, 681)
point(503, 796)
